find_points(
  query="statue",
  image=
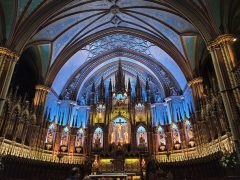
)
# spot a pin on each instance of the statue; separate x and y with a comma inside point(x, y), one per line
point(50, 138)
point(97, 143)
point(162, 139)
point(119, 134)
point(126, 137)
point(64, 140)
point(113, 137)
point(142, 140)
point(79, 141)
point(175, 137)
point(119, 129)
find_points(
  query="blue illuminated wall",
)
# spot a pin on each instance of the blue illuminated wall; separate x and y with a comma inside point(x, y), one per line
point(159, 113)
point(170, 110)
point(173, 108)
point(66, 112)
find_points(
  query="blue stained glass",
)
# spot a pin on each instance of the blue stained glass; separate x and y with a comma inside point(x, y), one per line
point(120, 96)
point(174, 126)
point(51, 126)
point(160, 130)
point(188, 123)
point(120, 121)
point(141, 129)
point(80, 131)
point(66, 129)
point(98, 130)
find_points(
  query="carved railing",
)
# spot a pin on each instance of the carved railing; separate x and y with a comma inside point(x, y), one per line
point(15, 149)
point(211, 111)
point(223, 144)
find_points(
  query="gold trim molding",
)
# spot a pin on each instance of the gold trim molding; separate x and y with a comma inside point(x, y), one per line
point(42, 88)
point(220, 40)
point(195, 81)
point(9, 53)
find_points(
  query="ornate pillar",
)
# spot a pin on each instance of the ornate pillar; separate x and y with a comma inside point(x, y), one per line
point(197, 90)
point(40, 99)
point(8, 61)
point(169, 142)
point(39, 104)
point(223, 58)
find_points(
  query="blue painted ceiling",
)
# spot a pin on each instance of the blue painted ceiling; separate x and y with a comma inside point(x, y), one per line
point(78, 20)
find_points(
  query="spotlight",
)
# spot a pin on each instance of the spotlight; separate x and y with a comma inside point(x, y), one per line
point(234, 39)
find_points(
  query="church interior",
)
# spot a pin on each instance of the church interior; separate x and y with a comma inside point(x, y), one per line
point(120, 89)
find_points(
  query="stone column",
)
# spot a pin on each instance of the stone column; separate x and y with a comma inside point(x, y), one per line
point(8, 61)
point(197, 90)
point(223, 58)
point(40, 100)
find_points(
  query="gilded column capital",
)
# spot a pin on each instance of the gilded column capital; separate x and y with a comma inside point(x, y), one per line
point(220, 40)
point(42, 88)
point(9, 53)
point(195, 81)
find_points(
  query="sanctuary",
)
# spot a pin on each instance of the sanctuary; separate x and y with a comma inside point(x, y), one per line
point(119, 89)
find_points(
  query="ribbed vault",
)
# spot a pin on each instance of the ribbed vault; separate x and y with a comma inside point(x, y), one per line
point(59, 30)
point(95, 58)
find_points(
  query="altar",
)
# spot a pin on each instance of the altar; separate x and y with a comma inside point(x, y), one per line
point(115, 176)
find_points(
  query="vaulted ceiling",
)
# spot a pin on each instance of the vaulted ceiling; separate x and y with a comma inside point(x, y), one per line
point(161, 40)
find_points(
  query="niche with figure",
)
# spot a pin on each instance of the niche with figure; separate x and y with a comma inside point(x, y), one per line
point(161, 139)
point(79, 141)
point(97, 138)
point(119, 131)
point(64, 139)
point(175, 136)
point(50, 137)
point(189, 133)
point(142, 138)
